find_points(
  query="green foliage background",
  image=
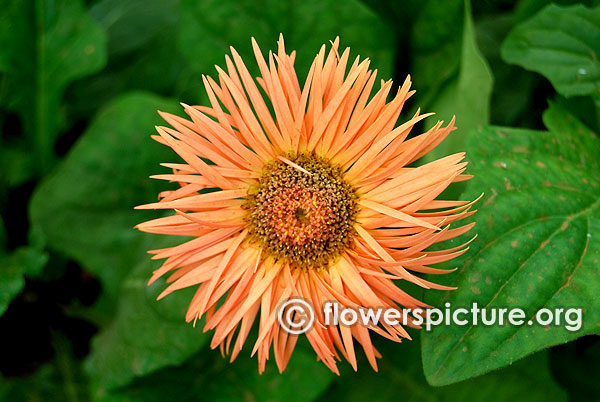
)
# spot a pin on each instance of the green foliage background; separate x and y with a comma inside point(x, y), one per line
point(80, 83)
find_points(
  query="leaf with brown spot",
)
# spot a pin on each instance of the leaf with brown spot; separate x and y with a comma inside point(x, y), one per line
point(538, 245)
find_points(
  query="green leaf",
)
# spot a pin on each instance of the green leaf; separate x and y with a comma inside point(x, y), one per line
point(142, 54)
point(24, 261)
point(581, 107)
point(512, 102)
point(209, 27)
point(145, 335)
point(527, 8)
point(467, 96)
point(44, 46)
point(18, 164)
point(436, 48)
point(210, 377)
point(538, 246)
point(134, 24)
point(85, 209)
point(14, 266)
point(400, 377)
point(562, 44)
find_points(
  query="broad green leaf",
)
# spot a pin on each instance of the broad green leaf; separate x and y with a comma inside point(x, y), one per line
point(209, 27)
point(209, 377)
point(467, 97)
point(85, 209)
point(44, 46)
point(563, 44)
point(538, 246)
point(527, 8)
point(13, 267)
point(86, 212)
point(400, 377)
point(145, 334)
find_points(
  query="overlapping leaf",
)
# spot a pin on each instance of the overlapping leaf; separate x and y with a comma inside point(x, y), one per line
point(85, 209)
point(93, 221)
point(145, 335)
point(466, 96)
point(538, 246)
point(563, 44)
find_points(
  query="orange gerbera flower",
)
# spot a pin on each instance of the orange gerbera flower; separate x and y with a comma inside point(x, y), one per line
point(307, 194)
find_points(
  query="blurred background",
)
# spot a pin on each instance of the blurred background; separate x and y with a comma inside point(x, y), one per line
point(80, 83)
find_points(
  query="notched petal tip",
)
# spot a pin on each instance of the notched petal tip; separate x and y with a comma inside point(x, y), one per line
point(186, 106)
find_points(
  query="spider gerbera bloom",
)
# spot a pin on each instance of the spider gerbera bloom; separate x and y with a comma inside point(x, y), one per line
point(292, 190)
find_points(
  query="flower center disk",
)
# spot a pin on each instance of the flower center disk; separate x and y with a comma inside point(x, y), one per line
point(305, 219)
